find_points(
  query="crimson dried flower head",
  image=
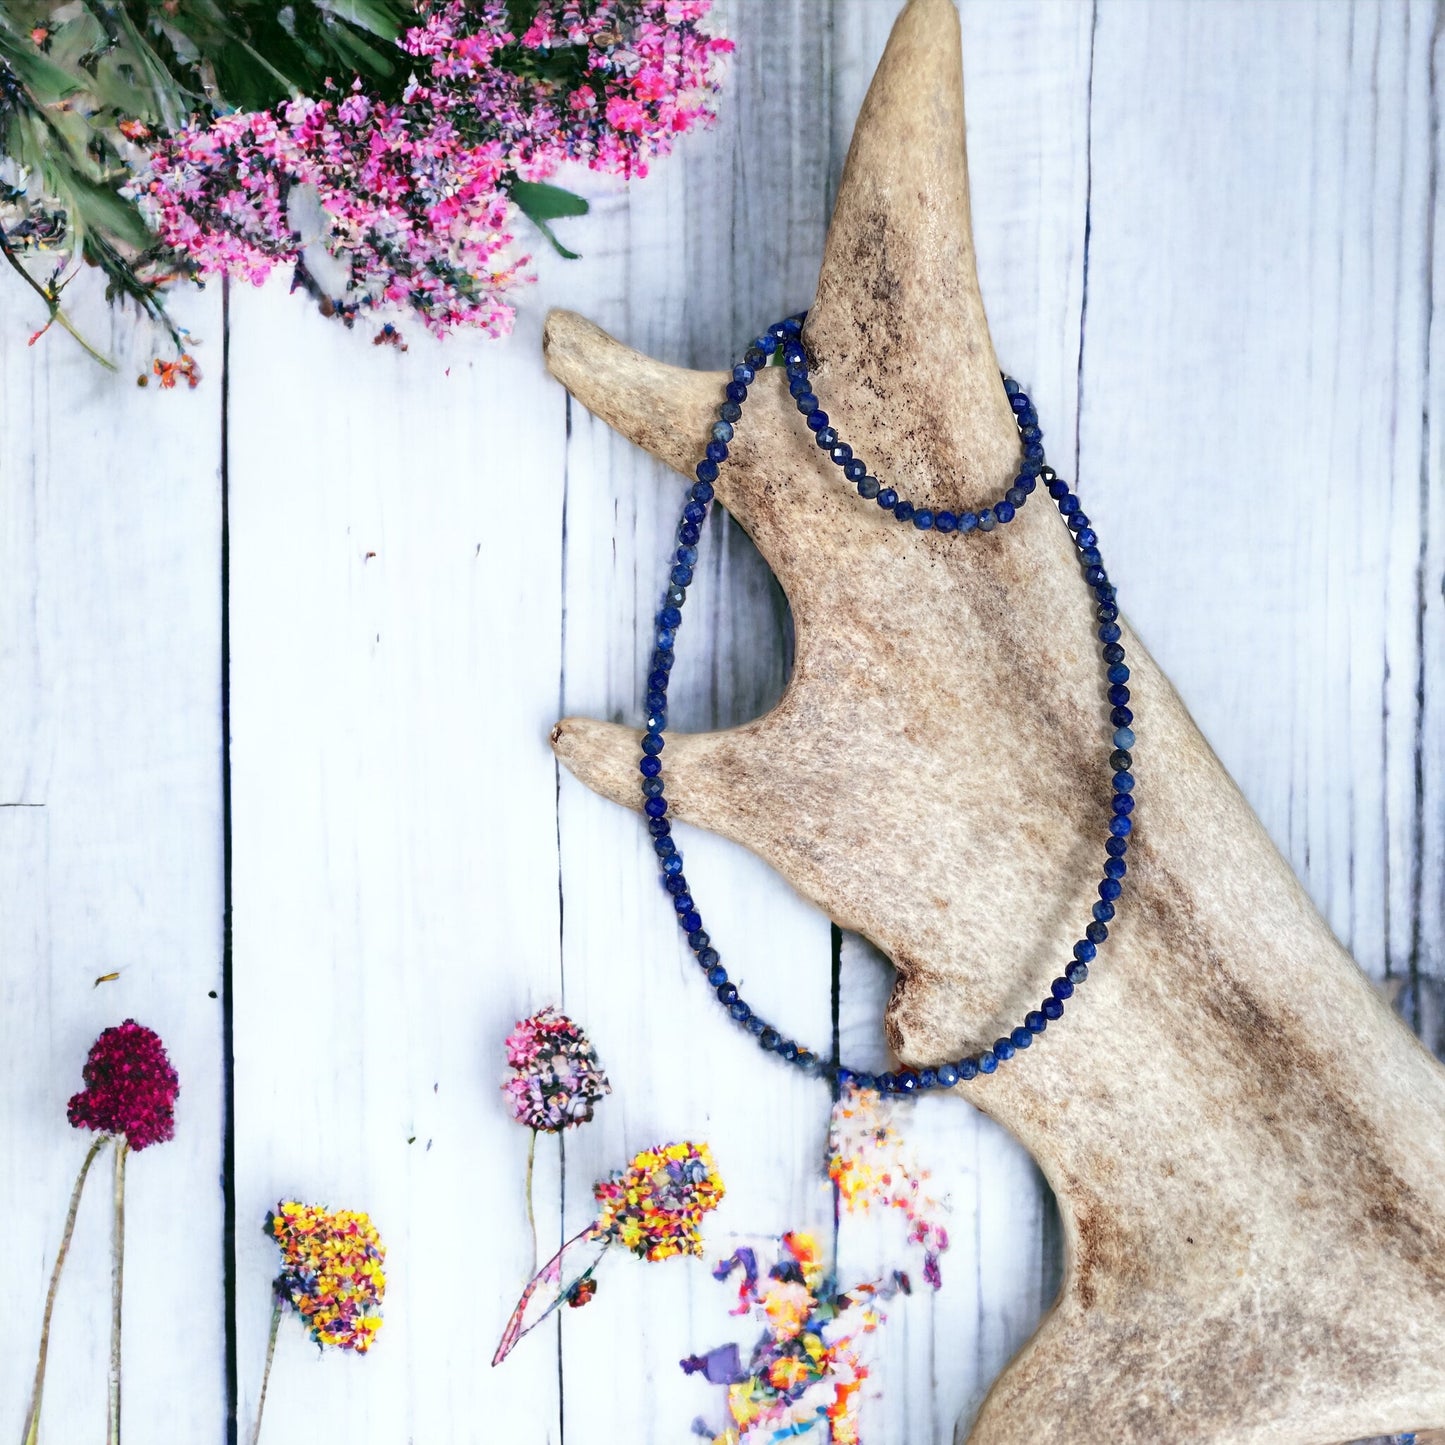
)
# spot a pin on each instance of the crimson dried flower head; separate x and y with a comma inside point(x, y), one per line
point(556, 1079)
point(130, 1087)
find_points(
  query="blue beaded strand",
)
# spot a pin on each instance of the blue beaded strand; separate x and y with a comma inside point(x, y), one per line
point(784, 342)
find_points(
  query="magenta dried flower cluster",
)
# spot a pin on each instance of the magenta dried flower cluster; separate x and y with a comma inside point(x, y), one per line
point(130, 1087)
point(555, 1080)
point(416, 195)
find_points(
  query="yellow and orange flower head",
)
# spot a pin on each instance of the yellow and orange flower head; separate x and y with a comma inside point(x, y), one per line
point(655, 1206)
point(331, 1272)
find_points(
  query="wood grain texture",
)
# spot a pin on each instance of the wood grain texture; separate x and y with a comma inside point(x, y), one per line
point(110, 857)
point(1254, 188)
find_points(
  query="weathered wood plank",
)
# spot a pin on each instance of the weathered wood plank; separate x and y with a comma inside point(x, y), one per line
point(395, 663)
point(110, 855)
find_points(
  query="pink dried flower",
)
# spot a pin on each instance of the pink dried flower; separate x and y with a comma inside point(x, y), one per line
point(556, 1079)
point(130, 1087)
point(416, 193)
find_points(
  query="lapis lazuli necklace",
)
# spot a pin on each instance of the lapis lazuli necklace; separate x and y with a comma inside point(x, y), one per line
point(786, 337)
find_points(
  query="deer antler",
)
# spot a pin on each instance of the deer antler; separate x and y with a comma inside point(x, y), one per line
point(1246, 1145)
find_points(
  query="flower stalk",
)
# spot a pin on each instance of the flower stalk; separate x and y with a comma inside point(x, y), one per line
point(117, 1289)
point(266, 1372)
point(32, 1418)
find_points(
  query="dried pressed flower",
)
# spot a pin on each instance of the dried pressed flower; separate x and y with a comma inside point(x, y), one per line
point(331, 1271)
point(130, 1087)
point(655, 1206)
point(556, 1080)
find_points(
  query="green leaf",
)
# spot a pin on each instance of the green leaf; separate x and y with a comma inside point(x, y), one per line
point(541, 203)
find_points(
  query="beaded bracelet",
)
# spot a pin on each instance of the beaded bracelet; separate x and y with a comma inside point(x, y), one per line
point(784, 341)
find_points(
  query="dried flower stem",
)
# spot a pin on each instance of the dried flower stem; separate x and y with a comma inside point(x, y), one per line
point(266, 1373)
point(32, 1419)
point(52, 303)
point(531, 1210)
point(117, 1281)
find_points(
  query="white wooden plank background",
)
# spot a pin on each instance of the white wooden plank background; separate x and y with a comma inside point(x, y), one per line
point(1206, 237)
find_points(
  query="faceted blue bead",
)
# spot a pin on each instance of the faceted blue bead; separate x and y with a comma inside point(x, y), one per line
point(1090, 557)
point(665, 638)
point(655, 807)
point(1052, 1009)
point(987, 1063)
point(888, 498)
point(717, 451)
point(689, 921)
point(1030, 433)
point(1021, 1038)
point(1107, 612)
point(702, 492)
point(739, 1010)
point(797, 385)
point(1026, 484)
point(1116, 847)
point(827, 439)
point(1016, 496)
point(663, 659)
point(1087, 538)
point(767, 344)
point(1019, 401)
point(794, 324)
point(736, 391)
point(652, 787)
point(1094, 575)
point(1115, 868)
point(855, 470)
point(1122, 804)
point(717, 975)
point(986, 520)
point(706, 471)
point(743, 373)
point(770, 1039)
point(1109, 889)
point(907, 1081)
point(865, 1082)
point(659, 827)
point(969, 1068)
point(673, 866)
point(1109, 632)
point(1077, 972)
point(947, 1075)
point(1004, 511)
point(669, 617)
point(788, 1049)
point(682, 902)
point(1084, 950)
point(1096, 932)
point(688, 535)
point(928, 1078)
point(1061, 988)
point(1058, 489)
point(807, 402)
point(729, 411)
point(869, 488)
point(1077, 522)
point(700, 939)
point(755, 1025)
point(1113, 653)
point(1010, 386)
point(840, 454)
point(967, 521)
point(694, 512)
point(1035, 1022)
point(1103, 911)
point(1123, 738)
point(706, 956)
point(945, 522)
point(816, 419)
point(1121, 827)
point(1003, 1050)
point(903, 511)
point(681, 576)
point(923, 520)
point(686, 556)
point(1118, 673)
point(649, 767)
point(728, 993)
point(722, 431)
point(887, 1083)
point(1123, 782)
point(1068, 505)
